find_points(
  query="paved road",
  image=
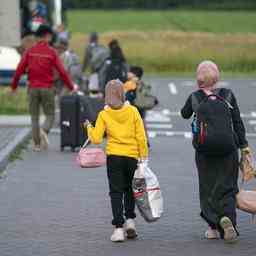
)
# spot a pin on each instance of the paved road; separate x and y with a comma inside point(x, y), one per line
point(165, 120)
point(49, 206)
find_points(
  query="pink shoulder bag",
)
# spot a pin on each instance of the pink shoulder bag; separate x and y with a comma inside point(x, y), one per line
point(90, 157)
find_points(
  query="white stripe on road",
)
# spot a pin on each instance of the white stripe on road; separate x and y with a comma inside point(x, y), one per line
point(252, 122)
point(173, 88)
point(193, 83)
point(188, 83)
point(250, 115)
point(187, 135)
point(154, 134)
point(157, 116)
point(223, 84)
point(159, 126)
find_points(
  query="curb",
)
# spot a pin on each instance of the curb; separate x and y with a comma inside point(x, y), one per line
point(5, 154)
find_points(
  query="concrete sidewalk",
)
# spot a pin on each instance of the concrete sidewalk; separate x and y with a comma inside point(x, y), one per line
point(14, 130)
point(16, 121)
point(10, 138)
point(51, 207)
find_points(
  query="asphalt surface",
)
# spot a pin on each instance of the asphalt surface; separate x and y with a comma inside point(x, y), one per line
point(49, 206)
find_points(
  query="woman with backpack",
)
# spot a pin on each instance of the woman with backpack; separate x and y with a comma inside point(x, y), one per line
point(126, 143)
point(115, 67)
point(218, 133)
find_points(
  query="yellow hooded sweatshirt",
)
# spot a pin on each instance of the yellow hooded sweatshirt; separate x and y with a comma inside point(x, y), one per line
point(125, 132)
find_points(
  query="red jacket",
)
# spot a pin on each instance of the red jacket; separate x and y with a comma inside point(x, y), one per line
point(40, 61)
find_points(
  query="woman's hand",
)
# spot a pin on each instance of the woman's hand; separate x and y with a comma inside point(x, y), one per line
point(86, 123)
point(246, 151)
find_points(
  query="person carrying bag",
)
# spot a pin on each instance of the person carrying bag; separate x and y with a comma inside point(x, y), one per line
point(126, 143)
point(246, 199)
point(218, 133)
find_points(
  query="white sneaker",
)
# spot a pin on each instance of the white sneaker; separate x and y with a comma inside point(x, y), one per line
point(44, 139)
point(211, 233)
point(130, 229)
point(118, 235)
point(230, 234)
point(36, 148)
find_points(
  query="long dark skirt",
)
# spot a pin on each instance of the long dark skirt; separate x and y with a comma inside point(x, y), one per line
point(218, 186)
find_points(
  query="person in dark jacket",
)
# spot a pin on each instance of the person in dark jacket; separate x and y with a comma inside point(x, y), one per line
point(116, 52)
point(40, 61)
point(218, 175)
point(115, 67)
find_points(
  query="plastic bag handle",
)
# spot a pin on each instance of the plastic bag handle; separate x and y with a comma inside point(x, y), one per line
point(86, 143)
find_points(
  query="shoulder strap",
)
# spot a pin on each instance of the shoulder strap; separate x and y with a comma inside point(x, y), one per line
point(226, 95)
point(196, 98)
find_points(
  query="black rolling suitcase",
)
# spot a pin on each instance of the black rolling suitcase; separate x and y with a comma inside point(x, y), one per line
point(74, 110)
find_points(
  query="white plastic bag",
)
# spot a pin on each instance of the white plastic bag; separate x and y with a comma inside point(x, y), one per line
point(147, 193)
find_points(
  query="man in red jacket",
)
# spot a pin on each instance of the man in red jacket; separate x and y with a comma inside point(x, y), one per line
point(40, 62)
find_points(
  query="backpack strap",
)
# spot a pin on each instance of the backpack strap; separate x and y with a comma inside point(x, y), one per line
point(226, 95)
point(196, 99)
point(199, 96)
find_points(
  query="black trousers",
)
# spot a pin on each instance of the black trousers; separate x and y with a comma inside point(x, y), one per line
point(120, 171)
point(218, 187)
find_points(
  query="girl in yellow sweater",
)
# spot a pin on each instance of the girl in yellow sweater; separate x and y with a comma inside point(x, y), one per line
point(126, 143)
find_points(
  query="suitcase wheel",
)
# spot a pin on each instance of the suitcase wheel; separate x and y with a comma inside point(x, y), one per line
point(61, 148)
point(73, 149)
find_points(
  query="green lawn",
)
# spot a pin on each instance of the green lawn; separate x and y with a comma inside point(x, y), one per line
point(173, 41)
point(179, 20)
point(13, 104)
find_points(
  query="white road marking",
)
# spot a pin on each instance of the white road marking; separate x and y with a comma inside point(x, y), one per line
point(185, 134)
point(250, 115)
point(166, 112)
point(188, 83)
point(156, 116)
point(252, 135)
point(159, 126)
point(252, 122)
point(223, 84)
point(188, 135)
point(193, 83)
point(173, 88)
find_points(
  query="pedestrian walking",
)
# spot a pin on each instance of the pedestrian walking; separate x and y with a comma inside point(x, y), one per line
point(71, 63)
point(95, 54)
point(134, 87)
point(39, 62)
point(126, 143)
point(218, 133)
point(115, 67)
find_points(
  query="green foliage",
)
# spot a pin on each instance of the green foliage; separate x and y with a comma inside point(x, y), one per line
point(13, 104)
point(180, 20)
